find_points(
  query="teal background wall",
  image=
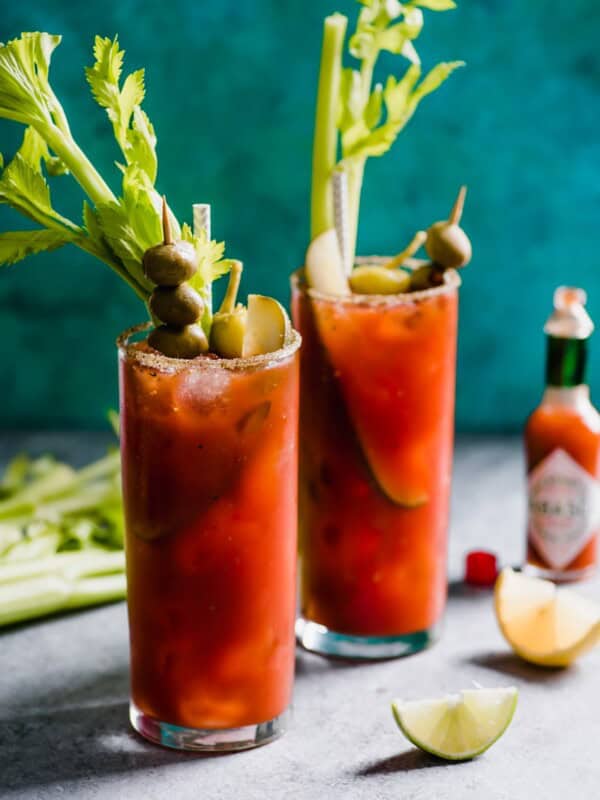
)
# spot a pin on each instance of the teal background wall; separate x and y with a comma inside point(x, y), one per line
point(231, 92)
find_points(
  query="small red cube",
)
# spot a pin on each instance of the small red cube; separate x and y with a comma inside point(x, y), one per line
point(481, 568)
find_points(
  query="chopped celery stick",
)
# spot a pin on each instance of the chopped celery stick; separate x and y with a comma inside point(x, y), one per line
point(85, 563)
point(14, 475)
point(29, 549)
point(36, 597)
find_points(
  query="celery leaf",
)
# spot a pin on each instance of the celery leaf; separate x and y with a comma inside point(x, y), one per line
point(16, 245)
point(142, 143)
point(132, 224)
point(34, 150)
point(132, 128)
point(26, 190)
point(104, 76)
point(211, 264)
point(25, 95)
point(394, 38)
point(433, 80)
point(24, 187)
point(396, 93)
point(401, 100)
point(374, 107)
point(435, 5)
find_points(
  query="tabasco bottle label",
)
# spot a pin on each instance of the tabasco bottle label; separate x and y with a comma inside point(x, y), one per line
point(564, 508)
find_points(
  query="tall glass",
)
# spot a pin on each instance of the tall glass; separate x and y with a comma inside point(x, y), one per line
point(376, 432)
point(209, 454)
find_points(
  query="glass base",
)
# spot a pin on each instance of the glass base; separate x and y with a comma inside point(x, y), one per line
point(319, 639)
point(207, 740)
point(559, 575)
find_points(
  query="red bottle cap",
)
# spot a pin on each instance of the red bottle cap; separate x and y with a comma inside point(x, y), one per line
point(481, 568)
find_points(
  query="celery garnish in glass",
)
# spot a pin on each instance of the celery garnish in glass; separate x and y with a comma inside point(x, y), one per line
point(115, 229)
point(356, 120)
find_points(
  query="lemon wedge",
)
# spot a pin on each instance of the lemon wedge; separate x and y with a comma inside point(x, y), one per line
point(544, 625)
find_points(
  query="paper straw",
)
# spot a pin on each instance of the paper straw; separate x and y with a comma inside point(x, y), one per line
point(201, 222)
point(340, 208)
point(201, 219)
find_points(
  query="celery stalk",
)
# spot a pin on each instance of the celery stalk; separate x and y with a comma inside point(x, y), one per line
point(326, 132)
point(115, 229)
point(360, 120)
point(56, 480)
point(107, 465)
point(71, 566)
point(78, 163)
point(10, 534)
point(40, 596)
point(103, 589)
point(30, 550)
point(61, 537)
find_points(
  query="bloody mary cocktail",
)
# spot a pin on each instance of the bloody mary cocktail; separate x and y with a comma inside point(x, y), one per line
point(209, 450)
point(376, 422)
point(209, 411)
point(378, 364)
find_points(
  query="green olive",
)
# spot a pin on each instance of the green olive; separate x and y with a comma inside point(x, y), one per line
point(372, 279)
point(426, 277)
point(170, 264)
point(187, 342)
point(448, 245)
point(176, 305)
point(227, 332)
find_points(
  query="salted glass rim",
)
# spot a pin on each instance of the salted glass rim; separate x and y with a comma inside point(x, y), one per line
point(452, 281)
point(156, 360)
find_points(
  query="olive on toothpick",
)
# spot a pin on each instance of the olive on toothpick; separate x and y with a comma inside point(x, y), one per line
point(169, 263)
point(427, 276)
point(187, 342)
point(176, 305)
point(447, 244)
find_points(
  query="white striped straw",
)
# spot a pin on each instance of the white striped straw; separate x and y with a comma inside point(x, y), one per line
point(201, 219)
point(340, 210)
point(201, 222)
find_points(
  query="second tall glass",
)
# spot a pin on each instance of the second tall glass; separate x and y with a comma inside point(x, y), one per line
point(376, 427)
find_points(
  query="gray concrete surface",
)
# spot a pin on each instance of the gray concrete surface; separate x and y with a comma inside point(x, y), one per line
point(63, 694)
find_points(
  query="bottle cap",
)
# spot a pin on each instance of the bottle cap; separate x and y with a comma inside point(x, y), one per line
point(569, 320)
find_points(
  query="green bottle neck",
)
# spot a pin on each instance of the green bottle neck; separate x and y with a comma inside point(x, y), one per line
point(565, 361)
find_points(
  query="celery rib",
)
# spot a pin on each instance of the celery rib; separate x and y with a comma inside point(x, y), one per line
point(74, 565)
point(326, 132)
point(24, 600)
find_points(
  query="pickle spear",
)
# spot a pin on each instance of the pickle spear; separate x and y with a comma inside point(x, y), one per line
point(240, 332)
point(229, 323)
point(267, 326)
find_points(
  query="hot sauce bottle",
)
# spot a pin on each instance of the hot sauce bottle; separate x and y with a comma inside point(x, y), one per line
point(562, 443)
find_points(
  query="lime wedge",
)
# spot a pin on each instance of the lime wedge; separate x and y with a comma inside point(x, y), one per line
point(544, 625)
point(457, 727)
